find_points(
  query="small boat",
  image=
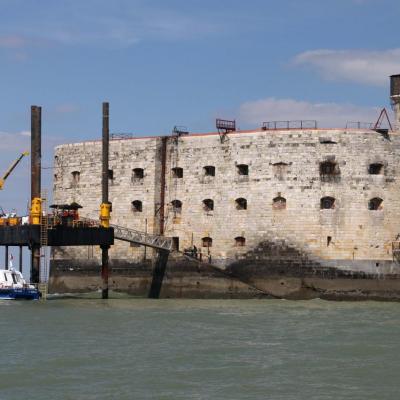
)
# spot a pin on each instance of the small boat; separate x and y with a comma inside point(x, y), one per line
point(14, 287)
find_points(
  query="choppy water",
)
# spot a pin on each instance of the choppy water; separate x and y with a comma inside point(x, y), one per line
point(199, 349)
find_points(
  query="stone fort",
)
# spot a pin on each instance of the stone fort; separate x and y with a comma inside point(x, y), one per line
point(259, 200)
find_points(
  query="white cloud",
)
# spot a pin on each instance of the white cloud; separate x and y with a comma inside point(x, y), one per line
point(326, 114)
point(66, 108)
point(361, 66)
point(100, 22)
point(12, 41)
point(18, 141)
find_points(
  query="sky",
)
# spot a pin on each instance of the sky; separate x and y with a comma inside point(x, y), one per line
point(185, 62)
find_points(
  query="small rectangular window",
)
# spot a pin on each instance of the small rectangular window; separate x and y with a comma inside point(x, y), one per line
point(175, 243)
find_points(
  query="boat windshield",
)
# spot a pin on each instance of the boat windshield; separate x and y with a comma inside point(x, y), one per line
point(14, 278)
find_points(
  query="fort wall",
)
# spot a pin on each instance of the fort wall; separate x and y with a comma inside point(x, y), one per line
point(313, 198)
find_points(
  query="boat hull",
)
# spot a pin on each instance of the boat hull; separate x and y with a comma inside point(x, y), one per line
point(19, 294)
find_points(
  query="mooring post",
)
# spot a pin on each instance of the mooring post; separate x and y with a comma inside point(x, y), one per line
point(158, 273)
point(36, 155)
point(105, 207)
point(20, 259)
point(6, 257)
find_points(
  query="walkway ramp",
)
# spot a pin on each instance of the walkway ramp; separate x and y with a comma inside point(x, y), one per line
point(134, 236)
point(145, 239)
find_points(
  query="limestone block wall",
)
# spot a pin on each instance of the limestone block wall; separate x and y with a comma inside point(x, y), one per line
point(258, 166)
point(125, 188)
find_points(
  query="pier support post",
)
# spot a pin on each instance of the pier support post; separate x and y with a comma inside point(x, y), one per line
point(20, 259)
point(158, 273)
point(104, 271)
point(105, 207)
point(6, 257)
point(36, 155)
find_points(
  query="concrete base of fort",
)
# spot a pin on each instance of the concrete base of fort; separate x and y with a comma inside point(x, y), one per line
point(251, 279)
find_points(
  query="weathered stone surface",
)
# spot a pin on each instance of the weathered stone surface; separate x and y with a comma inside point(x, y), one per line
point(296, 235)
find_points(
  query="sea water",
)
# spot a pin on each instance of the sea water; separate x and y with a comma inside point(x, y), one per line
point(131, 348)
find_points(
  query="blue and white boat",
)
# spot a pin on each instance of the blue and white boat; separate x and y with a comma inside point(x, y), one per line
point(14, 287)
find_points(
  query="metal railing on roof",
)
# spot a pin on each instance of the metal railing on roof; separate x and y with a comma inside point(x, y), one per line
point(121, 135)
point(295, 124)
point(359, 125)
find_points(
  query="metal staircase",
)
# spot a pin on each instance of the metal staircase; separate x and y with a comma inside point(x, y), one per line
point(134, 236)
point(145, 239)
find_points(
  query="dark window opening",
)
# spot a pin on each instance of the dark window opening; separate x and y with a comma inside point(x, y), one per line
point(240, 241)
point(176, 206)
point(76, 176)
point(328, 168)
point(375, 204)
point(175, 243)
point(206, 242)
point(328, 240)
point(209, 170)
point(327, 141)
point(241, 204)
point(177, 172)
point(137, 206)
point(327, 203)
point(55, 177)
point(242, 169)
point(279, 203)
point(208, 205)
point(375, 169)
point(110, 174)
point(137, 174)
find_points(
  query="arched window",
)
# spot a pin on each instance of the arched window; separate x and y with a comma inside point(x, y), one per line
point(206, 242)
point(76, 176)
point(279, 203)
point(176, 206)
point(327, 203)
point(241, 204)
point(110, 174)
point(376, 169)
point(208, 205)
point(375, 204)
point(209, 170)
point(177, 172)
point(137, 206)
point(137, 174)
point(242, 169)
point(240, 241)
point(280, 169)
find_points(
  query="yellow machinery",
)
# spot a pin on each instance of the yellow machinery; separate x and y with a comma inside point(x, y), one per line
point(36, 211)
point(105, 210)
point(13, 165)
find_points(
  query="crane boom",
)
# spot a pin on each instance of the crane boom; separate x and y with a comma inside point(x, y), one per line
point(11, 168)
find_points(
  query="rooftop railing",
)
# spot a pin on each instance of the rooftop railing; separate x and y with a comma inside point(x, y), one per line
point(296, 124)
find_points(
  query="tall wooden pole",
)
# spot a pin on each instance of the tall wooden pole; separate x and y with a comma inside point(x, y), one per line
point(104, 197)
point(36, 157)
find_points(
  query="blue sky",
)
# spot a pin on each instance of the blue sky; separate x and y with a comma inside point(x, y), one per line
point(163, 63)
